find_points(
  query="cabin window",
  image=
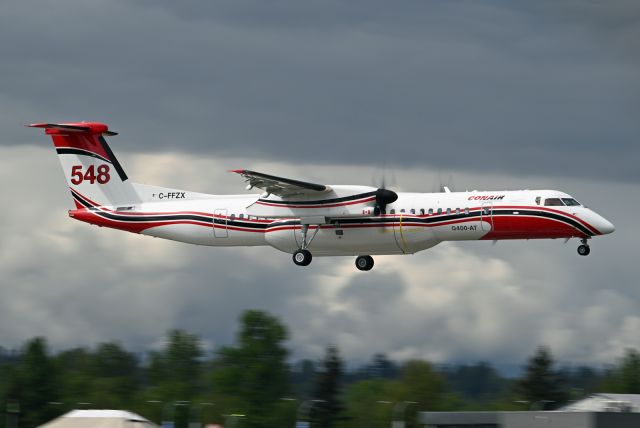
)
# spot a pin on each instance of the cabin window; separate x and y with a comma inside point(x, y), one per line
point(466, 211)
point(458, 211)
point(241, 216)
point(448, 210)
point(421, 211)
point(393, 211)
point(570, 202)
point(413, 211)
point(233, 217)
point(402, 210)
point(538, 200)
point(553, 202)
point(430, 211)
point(439, 210)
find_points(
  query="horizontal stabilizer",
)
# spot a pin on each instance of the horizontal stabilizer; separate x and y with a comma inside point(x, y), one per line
point(86, 127)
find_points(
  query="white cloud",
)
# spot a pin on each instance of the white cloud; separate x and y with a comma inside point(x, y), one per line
point(78, 284)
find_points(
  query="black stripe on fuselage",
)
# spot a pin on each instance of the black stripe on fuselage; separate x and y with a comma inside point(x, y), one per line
point(434, 220)
point(166, 217)
point(321, 201)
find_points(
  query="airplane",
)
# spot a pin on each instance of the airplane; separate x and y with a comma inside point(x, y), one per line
point(307, 219)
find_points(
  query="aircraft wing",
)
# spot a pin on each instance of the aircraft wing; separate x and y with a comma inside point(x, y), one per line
point(281, 186)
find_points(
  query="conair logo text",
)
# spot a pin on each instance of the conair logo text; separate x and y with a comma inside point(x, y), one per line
point(486, 198)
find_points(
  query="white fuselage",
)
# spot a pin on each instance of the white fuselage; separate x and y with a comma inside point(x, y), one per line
point(416, 221)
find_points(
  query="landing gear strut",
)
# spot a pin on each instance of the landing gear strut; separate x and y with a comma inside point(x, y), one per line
point(364, 262)
point(584, 249)
point(303, 257)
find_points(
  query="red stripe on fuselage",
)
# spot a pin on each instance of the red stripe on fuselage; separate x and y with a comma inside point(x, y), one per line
point(505, 226)
point(530, 208)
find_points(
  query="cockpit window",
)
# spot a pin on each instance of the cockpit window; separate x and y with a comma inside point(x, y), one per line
point(570, 202)
point(553, 202)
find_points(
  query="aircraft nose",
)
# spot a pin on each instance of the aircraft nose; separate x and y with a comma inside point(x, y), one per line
point(605, 226)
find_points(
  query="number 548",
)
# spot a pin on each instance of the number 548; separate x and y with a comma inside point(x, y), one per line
point(92, 174)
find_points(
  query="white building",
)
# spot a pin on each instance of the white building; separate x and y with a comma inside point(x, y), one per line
point(99, 419)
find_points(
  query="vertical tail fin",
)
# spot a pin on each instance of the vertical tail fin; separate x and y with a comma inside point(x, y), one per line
point(92, 170)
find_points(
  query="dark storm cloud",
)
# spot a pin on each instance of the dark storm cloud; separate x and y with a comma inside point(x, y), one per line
point(544, 87)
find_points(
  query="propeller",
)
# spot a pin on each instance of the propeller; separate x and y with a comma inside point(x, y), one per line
point(384, 196)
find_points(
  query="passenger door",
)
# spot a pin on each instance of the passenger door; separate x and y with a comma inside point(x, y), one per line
point(220, 223)
point(486, 216)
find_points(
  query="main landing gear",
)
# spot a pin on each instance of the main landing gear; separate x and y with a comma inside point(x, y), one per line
point(364, 262)
point(584, 249)
point(303, 257)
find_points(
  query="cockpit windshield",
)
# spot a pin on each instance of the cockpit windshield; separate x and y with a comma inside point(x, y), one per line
point(553, 202)
point(560, 202)
point(570, 202)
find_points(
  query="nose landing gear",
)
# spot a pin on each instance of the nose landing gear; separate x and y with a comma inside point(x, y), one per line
point(584, 249)
point(364, 262)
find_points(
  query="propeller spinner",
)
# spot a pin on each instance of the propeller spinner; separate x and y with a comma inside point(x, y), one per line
point(383, 198)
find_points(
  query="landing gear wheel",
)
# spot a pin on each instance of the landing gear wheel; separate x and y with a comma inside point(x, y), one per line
point(584, 250)
point(302, 257)
point(364, 262)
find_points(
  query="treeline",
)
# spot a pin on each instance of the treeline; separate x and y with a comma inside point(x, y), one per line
point(253, 384)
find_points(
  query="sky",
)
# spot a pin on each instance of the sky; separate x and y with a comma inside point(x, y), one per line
point(475, 94)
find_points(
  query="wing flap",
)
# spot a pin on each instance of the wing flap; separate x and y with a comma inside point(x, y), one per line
point(280, 186)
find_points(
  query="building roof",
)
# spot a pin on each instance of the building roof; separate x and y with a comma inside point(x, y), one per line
point(99, 419)
point(605, 402)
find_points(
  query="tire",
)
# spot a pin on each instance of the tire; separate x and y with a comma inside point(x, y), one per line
point(364, 263)
point(584, 250)
point(302, 257)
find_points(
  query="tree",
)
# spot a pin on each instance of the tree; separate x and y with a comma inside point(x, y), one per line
point(479, 381)
point(255, 370)
point(174, 371)
point(542, 385)
point(114, 372)
point(36, 384)
point(369, 403)
point(302, 377)
point(328, 410)
point(625, 377)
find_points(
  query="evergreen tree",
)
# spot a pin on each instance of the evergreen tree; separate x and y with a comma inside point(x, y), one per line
point(329, 409)
point(174, 371)
point(255, 371)
point(625, 377)
point(542, 385)
point(114, 372)
point(36, 384)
